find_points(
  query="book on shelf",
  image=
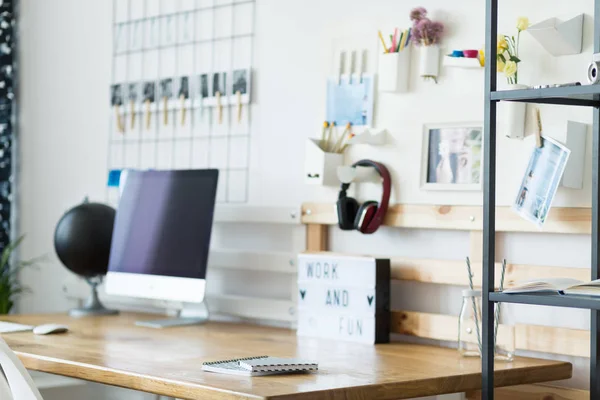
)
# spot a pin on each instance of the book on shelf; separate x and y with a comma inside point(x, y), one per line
point(561, 286)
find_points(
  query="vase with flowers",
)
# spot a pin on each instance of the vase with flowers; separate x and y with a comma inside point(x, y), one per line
point(508, 52)
point(508, 59)
point(427, 34)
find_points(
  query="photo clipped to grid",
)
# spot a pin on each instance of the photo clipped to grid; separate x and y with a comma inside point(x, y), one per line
point(181, 90)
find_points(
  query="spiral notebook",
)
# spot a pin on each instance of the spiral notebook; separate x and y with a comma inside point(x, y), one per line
point(260, 366)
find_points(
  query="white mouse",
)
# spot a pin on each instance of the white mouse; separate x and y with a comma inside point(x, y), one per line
point(48, 329)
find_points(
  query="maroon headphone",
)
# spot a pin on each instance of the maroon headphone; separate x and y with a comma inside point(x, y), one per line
point(365, 218)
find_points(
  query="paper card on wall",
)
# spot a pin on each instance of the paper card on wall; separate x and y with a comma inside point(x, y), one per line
point(540, 181)
point(342, 270)
point(218, 93)
point(358, 329)
point(350, 102)
point(241, 84)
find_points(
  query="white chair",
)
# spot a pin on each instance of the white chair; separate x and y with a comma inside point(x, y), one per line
point(15, 382)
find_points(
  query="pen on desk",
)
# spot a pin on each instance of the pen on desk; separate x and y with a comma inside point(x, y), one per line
point(385, 49)
point(394, 39)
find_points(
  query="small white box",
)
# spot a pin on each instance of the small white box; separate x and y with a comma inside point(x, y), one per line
point(394, 71)
point(320, 168)
point(559, 37)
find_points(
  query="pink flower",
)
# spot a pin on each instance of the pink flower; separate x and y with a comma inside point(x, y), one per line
point(418, 14)
point(425, 32)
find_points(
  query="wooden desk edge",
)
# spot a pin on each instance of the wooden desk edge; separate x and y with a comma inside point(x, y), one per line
point(390, 391)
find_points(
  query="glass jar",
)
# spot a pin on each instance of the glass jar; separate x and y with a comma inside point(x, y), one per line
point(469, 324)
point(505, 343)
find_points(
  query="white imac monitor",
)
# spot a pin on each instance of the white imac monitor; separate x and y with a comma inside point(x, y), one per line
point(161, 235)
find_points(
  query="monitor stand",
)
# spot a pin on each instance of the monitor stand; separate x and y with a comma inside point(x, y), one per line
point(184, 317)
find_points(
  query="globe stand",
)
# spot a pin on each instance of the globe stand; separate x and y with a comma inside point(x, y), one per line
point(92, 305)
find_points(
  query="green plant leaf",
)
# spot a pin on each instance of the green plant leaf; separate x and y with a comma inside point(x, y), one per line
point(10, 286)
point(515, 59)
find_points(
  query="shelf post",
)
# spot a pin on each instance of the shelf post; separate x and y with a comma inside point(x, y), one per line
point(595, 314)
point(489, 201)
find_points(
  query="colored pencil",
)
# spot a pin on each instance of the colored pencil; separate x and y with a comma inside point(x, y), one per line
point(385, 49)
point(400, 42)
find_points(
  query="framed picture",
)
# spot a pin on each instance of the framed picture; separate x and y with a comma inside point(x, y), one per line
point(452, 156)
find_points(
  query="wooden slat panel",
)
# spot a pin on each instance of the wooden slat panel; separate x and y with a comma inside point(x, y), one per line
point(476, 246)
point(534, 392)
point(450, 272)
point(317, 237)
point(545, 339)
point(257, 214)
point(439, 327)
point(251, 260)
point(560, 220)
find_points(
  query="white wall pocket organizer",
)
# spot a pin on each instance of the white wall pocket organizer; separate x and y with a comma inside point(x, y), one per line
point(558, 37)
point(394, 71)
point(368, 136)
point(576, 141)
point(320, 167)
point(513, 115)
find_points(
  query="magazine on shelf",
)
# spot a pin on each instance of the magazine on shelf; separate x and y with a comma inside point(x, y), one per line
point(556, 286)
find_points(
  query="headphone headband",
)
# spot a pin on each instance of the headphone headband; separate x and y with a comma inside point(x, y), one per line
point(382, 208)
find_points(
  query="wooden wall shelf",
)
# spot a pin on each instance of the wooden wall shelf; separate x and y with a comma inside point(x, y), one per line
point(568, 220)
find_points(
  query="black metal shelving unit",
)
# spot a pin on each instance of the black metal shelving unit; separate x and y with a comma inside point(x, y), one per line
point(585, 96)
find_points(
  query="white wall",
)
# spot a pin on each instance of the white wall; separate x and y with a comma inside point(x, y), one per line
point(65, 75)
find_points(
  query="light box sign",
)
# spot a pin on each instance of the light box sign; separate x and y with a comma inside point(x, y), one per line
point(344, 297)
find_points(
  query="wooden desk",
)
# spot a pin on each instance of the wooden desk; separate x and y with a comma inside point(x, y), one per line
point(113, 351)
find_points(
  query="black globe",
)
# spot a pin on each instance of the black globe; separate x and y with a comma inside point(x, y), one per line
point(82, 239)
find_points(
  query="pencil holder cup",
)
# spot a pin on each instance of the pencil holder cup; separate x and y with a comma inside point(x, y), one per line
point(320, 167)
point(394, 71)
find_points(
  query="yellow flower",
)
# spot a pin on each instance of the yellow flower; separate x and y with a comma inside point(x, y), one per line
point(510, 69)
point(500, 66)
point(502, 45)
point(522, 23)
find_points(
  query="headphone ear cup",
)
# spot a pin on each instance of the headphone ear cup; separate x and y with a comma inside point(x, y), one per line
point(347, 207)
point(364, 215)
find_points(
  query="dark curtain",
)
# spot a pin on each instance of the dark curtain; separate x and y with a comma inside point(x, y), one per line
point(7, 114)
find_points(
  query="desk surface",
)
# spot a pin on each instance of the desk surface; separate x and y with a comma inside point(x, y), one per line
point(112, 350)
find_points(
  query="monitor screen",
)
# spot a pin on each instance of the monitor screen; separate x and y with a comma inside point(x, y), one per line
point(164, 222)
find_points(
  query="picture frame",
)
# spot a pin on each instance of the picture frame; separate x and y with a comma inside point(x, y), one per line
point(452, 156)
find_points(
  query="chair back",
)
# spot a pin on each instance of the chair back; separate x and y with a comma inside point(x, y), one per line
point(15, 381)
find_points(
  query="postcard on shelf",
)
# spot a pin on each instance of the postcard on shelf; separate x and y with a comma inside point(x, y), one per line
point(540, 182)
point(557, 286)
